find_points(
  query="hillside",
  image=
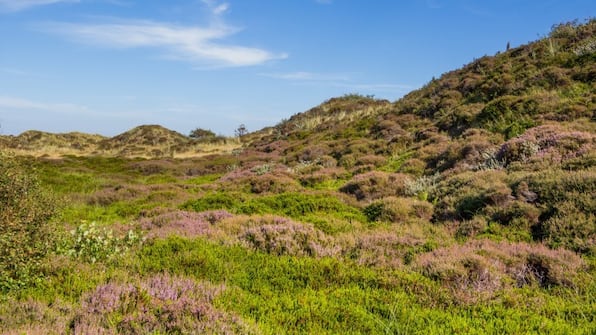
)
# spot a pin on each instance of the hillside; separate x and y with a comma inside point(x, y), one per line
point(465, 207)
point(142, 141)
point(33, 142)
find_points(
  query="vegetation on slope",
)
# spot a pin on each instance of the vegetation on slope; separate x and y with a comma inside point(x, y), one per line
point(466, 207)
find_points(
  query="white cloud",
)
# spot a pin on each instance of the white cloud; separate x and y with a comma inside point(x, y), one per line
point(18, 5)
point(12, 104)
point(221, 9)
point(198, 45)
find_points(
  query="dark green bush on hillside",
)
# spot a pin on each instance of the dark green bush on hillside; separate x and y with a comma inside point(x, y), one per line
point(25, 211)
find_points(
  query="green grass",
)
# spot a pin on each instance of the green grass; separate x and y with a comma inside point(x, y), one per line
point(325, 296)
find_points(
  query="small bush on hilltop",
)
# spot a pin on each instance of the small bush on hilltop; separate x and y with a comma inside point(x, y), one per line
point(25, 229)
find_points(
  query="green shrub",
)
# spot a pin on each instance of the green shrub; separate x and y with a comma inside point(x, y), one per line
point(214, 201)
point(25, 229)
point(294, 205)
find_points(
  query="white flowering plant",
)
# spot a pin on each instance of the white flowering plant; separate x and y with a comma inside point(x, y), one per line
point(93, 243)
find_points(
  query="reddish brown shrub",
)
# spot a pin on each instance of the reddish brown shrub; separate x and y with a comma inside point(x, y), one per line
point(375, 185)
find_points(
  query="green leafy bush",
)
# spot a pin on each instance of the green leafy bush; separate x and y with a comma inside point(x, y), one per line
point(25, 229)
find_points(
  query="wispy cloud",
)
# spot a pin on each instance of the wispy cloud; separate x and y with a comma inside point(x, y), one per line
point(338, 80)
point(203, 46)
point(307, 76)
point(216, 7)
point(325, 2)
point(382, 87)
point(14, 104)
point(18, 5)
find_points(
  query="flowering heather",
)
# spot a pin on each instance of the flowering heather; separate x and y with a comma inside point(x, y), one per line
point(484, 266)
point(383, 248)
point(160, 304)
point(183, 223)
point(33, 317)
point(375, 185)
point(282, 236)
point(260, 178)
point(551, 143)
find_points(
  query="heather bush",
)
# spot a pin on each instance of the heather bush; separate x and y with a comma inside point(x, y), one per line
point(285, 237)
point(162, 304)
point(25, 230)
point(375, 185)
point(515, 213)
point(33, 317)
point(326, 176)
point(470, 228)
point(464, 195)
point(398, 209)
point(549, 143)
point(260, 178)
point(484, 267)
point(565, 225)
point(107, 196)
point(183, 223)
point(382, 247)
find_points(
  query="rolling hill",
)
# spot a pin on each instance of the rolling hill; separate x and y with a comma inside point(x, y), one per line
point(142, 141)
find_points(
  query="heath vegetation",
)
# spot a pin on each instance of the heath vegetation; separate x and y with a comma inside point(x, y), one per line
point(466, 207)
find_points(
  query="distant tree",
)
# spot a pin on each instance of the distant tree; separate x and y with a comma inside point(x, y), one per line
point(241, 130)
point(200, 133)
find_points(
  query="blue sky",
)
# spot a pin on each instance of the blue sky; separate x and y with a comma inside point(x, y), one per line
point(105, 66)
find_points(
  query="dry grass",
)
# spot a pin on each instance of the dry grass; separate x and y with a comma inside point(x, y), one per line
point(140, 142)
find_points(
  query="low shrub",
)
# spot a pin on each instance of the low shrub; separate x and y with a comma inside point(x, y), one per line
point(281, 236)
point(551, 144)
point(470, 228)
point(375, 185)
point(158, 305)
point(92, 243)
point(182, 223)
point(381, 248)
point(397, 209)
point(484, 266)
point(566, 225)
